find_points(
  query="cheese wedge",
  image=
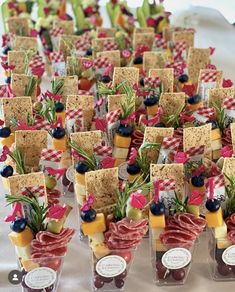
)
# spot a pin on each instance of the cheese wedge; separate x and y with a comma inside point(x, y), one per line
point(157, 244)
point(101, 250)
point(5, 182)
point(221, 231)
point(95, 239)
point(156, 232)
point(152, 110)
point(21, 239)
point(59, 144)
point(215, 134)
point(157, 221)
point(223, 243)
point(214, 219)
point(96, 226)
point(216, 144)
point(8, 141)
point(120, 152)
point(122, 142)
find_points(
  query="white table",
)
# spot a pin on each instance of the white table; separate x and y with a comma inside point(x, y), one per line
point(212, 30)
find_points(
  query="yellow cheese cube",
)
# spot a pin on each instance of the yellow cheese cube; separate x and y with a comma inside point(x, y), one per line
point(22, 238)
point(215, 134)
point(8, 141)
point(120, 152)
point(216, 154)
point(96, 239)
point(157, 221)
point(194, 107)
point(221, 231)
point(131, 177)
point(158, 246)
point(80, 178)
point(29, 265)
point(138, 66)
point(181, 85)
point(122, 142)
point(223, 243)
point(96, 226)
point(193, 209)
point(59, 144)
point(152, 110)
point(156, 232)
point(24, 252)
point(214, 219)
point(100, 250)
point(216, 144)
point(119, 161)
point(199, 189)
point(5, 182)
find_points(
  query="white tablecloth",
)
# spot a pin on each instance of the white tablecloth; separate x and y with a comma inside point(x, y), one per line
point(212, 30)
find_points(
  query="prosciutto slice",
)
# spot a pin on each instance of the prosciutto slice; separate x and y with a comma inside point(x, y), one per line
point(125, 233)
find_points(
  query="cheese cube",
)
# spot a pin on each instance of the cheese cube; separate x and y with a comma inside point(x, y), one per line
point(158, 245)
point(5, 182)
point(223, 243)
point(216, 144)
point(100, 250)
point(95, 239)
point(96, 226)
point(119, 161)
point(216, 154)
point(152, 110)
point(29, 265)
point(156, 232)
point(8, 141)
point(193, 209)
point(22, 238)
point(80, 178)
point(156, 221)
point(215, 134)
point(214, 219)
point(120, 152)
point(59, 144)
point(199, 189)
point(23, 252)
point(122, 142)
point(181, 85)
point(131, 177)
point(194, 107)
point(62, 116)
point(221, 231)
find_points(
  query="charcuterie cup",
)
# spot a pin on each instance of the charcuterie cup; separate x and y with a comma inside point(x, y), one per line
point(222, 258)
point(110, 269)
point(41, 274)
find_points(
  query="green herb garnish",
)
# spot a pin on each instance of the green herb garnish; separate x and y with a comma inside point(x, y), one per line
point(230, 192)
point(29, 88)
point(220, 114)
point(180, 204)
point(174, 119)
point(18, 159)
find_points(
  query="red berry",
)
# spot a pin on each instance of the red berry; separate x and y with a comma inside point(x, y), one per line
point(84, 84)
point(178, 274)
point(162, 271)
point(98, 282)
point(224, 269)
point(119, 283)
point(107, 280)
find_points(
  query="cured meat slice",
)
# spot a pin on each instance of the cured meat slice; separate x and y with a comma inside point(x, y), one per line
point(231, 236)
point(230, 222)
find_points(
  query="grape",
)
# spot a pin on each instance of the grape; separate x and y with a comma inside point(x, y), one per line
point(65, 181)
point(162, 271)
point(122, 275)
point(50, 182)
point(107, 279)
point(71, 188)
point(98, 282)
point(50, 288)
point(233, 269)
point(178, 274)
point(119, 283)
point(23, 282)
point(224, 269)
point(134, 214)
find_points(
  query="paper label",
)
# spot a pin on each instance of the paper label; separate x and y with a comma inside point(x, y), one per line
point(167, 197)
point(40, 278)
point(70, 174)
point(228, 256)
point(203, 90)
point(59, 68)
point(176, 258)
point(111, 266)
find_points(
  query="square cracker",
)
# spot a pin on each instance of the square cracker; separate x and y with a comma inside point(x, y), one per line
point(153, 60)
point(103, 184)
point(114, 57)
point(156, 135)
point(30, 144)
point(143, 30)
point(228, 168)
point(232, 127)
point(19, 83)
point(169, 171)
point(17, 59)
point(219, 76)
point(166, 76)
point(18, 25)
point(219, 94)
point(98, 44)
point(170, 102)
point(108, 31)
point(186, 36)
point(127, 74)
point(115, 101)
point(143, 39)
point(66, 25)
point(70, 86)
point(67, 43)
point(197, 136)
point(86, 102)
point(197, 60)
point(25, 43)
point(167, 33)
point(17, 182)
point(19, 108)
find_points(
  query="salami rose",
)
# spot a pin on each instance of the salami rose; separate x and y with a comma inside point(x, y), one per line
point(231, 236)
point(230, 222)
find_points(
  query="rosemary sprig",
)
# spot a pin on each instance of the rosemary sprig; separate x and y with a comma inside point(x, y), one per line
point(191, 166)
point(230, 192)
point(90, 159)
point(29, 88)
point(48, 110)
point(220, 114)
point(180, 204)
point(57, 86)
point(128, 106)
point(174, 119)
point(14, 122)
point(38, 214)
point(104, 90)
point(17, 157)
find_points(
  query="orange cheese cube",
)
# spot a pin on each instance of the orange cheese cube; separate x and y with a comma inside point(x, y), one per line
point(120, 152)
point(62, 116)
point(194, 107)
point(157, 221)
point(119, 161)
point(199, 189)
point(158, 245)
point(59, 144)
point(131, 177)
point(96, 226)
point(216, 154)
point(152, 110)
point(80, 178)
point(122, 142)
point(101, 250)
point(214, 219)
point(22, 238)
point(8, 141)
point(215, 134)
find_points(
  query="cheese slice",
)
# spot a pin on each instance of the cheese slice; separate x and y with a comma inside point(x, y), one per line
point(21, 239)
point(96, 226)
point(156, 232)
point(221, 231)
point(95, 239)
point(101, 250)
point(120, 152)
point(29, 265)
point(223, 243)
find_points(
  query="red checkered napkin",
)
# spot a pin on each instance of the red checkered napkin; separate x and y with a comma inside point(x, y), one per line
point(103, 150)
point(4, 90)
point(206, 112)
point(171, 143)
point(101, 63)
point(84, 92)
point(112, 117)
point(110, 45)
point(54, 32)
point(210, 76)
point(218, 181)
point(152, 81)
point(42, 124)
point(37, 61)
point(167, 184)
point(37, 190)
point(178, 67)
point(74, 114)
point(161, 43)
point(180, 46)
point(51, 155)
point(56, 57)
point(195, 151)
point(229, 103)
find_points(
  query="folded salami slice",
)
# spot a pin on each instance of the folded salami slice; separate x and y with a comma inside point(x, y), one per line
point(231, 236)
point(230, 222)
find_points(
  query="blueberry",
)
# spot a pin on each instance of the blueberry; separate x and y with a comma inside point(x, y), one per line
point(133, 168)
point(138, 60)
point(183, 78)
point(105, 79)
point(124, 130)
point(18, 225)
point(214, 125)
point(160, 125)
point(8, 80)
point(81, 167)
point(59, 107)
point(151, 100)
point(5, 132)
point(197, 181)
point(88, 52)
point(5, 50)
point(157, 208)
point(194, 99)
point(141, 81)
point(6, 171)
point(212, 205)
point(58, 133)
point(88, 216)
